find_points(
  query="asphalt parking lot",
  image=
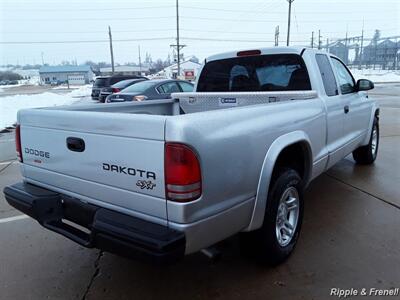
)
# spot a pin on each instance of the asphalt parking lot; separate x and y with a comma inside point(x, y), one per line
point(350, 239)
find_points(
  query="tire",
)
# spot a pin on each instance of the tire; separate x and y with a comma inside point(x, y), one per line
point(366, 155)
point(264, 243)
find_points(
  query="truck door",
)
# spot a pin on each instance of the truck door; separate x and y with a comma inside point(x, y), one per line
point(334, 106)
point(357, 108)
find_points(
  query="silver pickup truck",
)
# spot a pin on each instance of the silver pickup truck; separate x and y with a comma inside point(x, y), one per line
point(165, 178)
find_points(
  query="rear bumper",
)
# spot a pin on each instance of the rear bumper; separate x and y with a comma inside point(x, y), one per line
point(95, 227)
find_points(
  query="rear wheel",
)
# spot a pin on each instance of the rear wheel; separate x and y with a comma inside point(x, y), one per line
point(275, 240)
point(367, 154)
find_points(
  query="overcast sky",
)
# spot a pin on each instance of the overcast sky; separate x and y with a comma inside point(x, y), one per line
point(207, 27)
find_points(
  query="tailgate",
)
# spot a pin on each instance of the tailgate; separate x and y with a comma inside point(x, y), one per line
point(114, 158)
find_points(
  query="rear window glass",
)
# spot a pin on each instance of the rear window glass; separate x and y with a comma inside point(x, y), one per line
point(114, 80)
point(139, 87)
point(100, 82)
point(282, 72)
point(124, 83)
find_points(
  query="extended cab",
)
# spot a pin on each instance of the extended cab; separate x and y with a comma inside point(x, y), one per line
point(166, 178)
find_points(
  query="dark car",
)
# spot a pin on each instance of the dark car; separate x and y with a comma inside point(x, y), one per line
point(150, 90)
point(116, 88)
point(107, 81)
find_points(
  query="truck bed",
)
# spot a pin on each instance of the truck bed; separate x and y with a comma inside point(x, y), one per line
point(123, 141)
point(185, 103)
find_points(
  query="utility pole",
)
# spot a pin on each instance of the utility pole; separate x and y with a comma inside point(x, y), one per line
point(178, 46)
point(319, 39)
point(289, 16)
point(140, 61)
point(178, 50)
point(361, 49)
point(277, 36)
point(396, 59)
point(312, 39)
point(42, 59)
point(345, 46)
point(327, 45)
point(111, 50)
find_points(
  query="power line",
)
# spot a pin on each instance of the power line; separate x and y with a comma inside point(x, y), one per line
point(94, 19)
point(236, 40)
point(314, 12)
point(95, 9)
point(262, 5)
point(139, 40)
point(85, 41)
point(257, 11)
point(221, 9)
point(237, 20)
point(172, 29)
point(88, 32)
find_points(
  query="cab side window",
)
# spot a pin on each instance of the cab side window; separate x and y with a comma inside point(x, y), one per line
point(328, 78)
point(346, 81)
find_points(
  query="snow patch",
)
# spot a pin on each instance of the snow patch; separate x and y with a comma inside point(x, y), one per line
point(83, 91)
point(377, 76)
point(10, 105)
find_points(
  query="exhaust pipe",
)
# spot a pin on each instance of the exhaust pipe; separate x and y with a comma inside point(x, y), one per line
point(212, 253)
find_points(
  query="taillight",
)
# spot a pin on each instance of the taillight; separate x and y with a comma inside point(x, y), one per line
point(182, 173)
point(116, 90)
point(18, 142)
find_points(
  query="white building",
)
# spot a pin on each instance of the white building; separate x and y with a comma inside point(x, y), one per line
point(189, 71)
point(125, 70)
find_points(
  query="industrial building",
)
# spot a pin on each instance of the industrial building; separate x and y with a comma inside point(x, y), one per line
point(125, 70)
point(66, 74)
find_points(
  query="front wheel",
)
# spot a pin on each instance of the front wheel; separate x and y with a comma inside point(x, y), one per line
point(275, 240)
point(367, 154)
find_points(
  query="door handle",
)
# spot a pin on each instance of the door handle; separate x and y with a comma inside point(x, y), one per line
point(346, 109)
point(75, 144)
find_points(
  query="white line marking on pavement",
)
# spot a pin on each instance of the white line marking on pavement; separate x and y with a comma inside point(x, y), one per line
point(11, 219)
point(6, 163)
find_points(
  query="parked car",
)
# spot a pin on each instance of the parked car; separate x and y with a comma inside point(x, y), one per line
point(151, 90)
point(56, 82)
point(8, 82)
point(107, 81)
point(166, 178)
point(117, 87)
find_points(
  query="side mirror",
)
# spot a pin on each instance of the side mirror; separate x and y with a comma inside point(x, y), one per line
point(364, 85)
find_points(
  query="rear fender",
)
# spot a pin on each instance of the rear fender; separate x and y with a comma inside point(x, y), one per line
point(266, 173)
point(374, 113)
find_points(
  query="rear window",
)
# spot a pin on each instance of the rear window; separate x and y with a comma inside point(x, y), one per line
point(114, 80)
point(139, 87)
point(124, 83)
point(281, 72)
point(101, 82)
